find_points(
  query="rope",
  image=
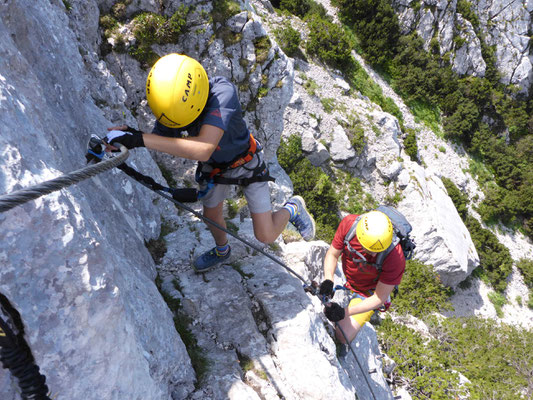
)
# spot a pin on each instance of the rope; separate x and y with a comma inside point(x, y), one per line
point(9, 201)
point(21, 364)
point(159, 189)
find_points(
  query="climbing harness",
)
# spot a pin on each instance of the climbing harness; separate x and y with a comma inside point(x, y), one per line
point(214, 172)
point(17, 358)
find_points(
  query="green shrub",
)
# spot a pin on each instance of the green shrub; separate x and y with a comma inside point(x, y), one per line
point(224, 10)
point(310, 86)
point(150, 28)
point(300, 8)
point(376, 25)
point(411, 145)
point(420, 366)
point(328, 103)
point(525, 266)
point(355, 132)
point(498, 301)
point(464, 7)
point(262, 49)
point(108, 24)
point(296, 7)
point(421, 291)
point(494, 257)
point(289, 40)
point(353, 199)
point(329, 43)
point(483, 352)
point(362, 82)
point(479, 171)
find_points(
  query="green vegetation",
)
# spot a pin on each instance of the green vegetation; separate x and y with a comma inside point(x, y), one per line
point(464, 7)
point(232, 207)
point(355, 132)
point(262, 48)
point(421, 300)
point(236, 265)
point(376, 25)
point(393, 199)
point(525, 266)
point(411, 145)
point(498, 301)
point(247, 364)
point(310, 85)
point(300, 8)
point(289, 40)
point(459, 199)
point(329, 43)
point(328, 103)
point(483, 352)
point(332, 44)
point(167, 174)
point(67, 5)
point(313, 185)
point(158, 247)
point(224, 10)
point(150, 28)
point(108, 23)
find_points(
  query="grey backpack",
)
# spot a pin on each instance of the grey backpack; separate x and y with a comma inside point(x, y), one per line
point(401, 230)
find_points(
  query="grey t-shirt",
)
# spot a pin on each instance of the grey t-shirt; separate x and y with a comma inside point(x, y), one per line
point(222, 110)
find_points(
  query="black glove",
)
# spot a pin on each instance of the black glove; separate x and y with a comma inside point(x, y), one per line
point(334, 312)
point(131, 138)
point(326, 288)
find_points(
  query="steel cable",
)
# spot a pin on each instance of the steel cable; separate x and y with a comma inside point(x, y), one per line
point(11, 200)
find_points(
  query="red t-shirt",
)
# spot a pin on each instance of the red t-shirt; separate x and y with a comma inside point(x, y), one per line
point(362, 277)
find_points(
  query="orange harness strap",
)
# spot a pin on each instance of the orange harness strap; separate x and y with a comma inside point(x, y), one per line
point(241, 160)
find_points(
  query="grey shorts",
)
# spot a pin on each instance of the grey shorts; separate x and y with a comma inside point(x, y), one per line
point(257, 194)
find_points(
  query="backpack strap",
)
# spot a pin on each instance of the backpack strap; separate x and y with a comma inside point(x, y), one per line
point(349, 236)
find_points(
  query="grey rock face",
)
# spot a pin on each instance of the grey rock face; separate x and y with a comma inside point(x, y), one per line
point(73, 262)
point(441, 237)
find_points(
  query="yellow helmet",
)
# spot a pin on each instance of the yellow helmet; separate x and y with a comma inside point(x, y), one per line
point(176, 89)
point(374, 231)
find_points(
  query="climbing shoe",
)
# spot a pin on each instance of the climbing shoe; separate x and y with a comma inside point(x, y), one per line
point(209, 260)
point(302, 220)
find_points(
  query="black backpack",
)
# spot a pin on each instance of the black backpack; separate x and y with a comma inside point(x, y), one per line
point(401, 230)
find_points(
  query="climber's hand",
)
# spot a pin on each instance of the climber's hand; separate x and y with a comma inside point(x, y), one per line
point(334, 312)
point(125, 135)
point(326, 288)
